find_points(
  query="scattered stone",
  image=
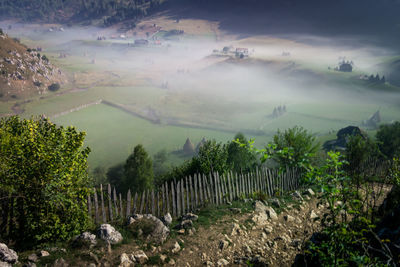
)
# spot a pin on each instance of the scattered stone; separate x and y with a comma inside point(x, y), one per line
point(189, 216)
point(209, 264)
point(33, 257)
point(260, 218)
point(181, 231)
point(223, 244)
point(176, 248)
point(163, 257)
point(222, 262)
point(288, 218)
point(108, 233)
point(171, 262)
point(86, 239)
point(296, 243)
point(92, 265)
point(247, 249)
point(43, 253)
point(236, 229)
point(185, 224)
point(167, 219)
point(268, 229)
point(7, 255)
point(297, 195)
point(313, 215)
point(309, 192)
point(259, 207)
point(140, 256)
point(271, 213)
point(125, 261)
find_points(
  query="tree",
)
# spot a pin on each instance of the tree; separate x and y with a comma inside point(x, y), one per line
point(212, 157)
point(294, 147)
point(242, 159)
point(159, 160)
point(138, 170)
point(43, 171)
point(388, 137)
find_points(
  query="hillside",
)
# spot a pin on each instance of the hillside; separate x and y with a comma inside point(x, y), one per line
point(23, 71)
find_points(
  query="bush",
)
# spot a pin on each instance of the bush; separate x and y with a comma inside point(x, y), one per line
point(1, 31)
point(388, 137)
point(43, 171)
point(54, 87)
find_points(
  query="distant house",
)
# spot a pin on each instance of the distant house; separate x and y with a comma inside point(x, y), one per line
point(141, 42)
point(346, 66)
point(244, 51)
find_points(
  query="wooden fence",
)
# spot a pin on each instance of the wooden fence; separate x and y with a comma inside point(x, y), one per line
point(189, 194)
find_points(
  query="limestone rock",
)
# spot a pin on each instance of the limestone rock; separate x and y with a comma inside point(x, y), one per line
point(108, 233)
point(140, 256)
point(7, 255)
point(176, 248)
point(271, 213)
point(313, 215)
point(189, 216)
point(86, 239)
point(222, 262)
point(167, 219)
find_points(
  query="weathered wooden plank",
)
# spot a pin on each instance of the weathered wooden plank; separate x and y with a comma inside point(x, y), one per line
point(211, 187)
point(201, 191)
point(196, 200)
point(191, 198)
point(182, 199)
point(121, 211)
point(147, 202)
point(142, 200)
point(153, 204)
point(167, 197)
point(103, 210)
point(187, 194)
point(173, 199)
point(223, 188)
point(135, 203)
point(96, 207)
point(178, 199)
point(216, 189)
point(128, 204)
point(164, 203)
point(158, 204)
point(230, 191)
point(115, 202)
point(236, 185)
point(110, 206)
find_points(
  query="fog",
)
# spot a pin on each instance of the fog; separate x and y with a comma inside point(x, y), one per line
point(208, 88)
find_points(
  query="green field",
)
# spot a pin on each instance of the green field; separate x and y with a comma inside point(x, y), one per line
point(112, 134)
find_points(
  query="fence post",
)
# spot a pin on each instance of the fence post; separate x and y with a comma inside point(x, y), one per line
point(110, 208)
point(164, 208)
point(142, 199)
point(167, 196)
point(182, 199)
point(153, 207)
point(96, 206)
point(187, 194)
point(195, 192)
point(173, 199)
point(120, 206)
point(89, 203)
point(178, 199)
point(135, 200)
point(103, 211)
point(201, 192)
point(128, 204)
point(115, 202)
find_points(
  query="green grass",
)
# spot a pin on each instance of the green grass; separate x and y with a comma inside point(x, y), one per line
point(112, 134)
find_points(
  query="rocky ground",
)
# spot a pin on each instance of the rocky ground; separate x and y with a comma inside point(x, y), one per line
point(24, 71)
point(270, 233)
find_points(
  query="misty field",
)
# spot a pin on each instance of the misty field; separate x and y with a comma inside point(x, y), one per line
point(178, 88)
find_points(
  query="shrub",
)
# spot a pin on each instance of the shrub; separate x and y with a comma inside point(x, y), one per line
point(54, 87)
point(43, 170)
point(388, 137)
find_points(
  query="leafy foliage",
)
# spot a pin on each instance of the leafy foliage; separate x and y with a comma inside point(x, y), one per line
point(138, 170)
point(43, 170)
point(242, 159)
point(388, 137)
